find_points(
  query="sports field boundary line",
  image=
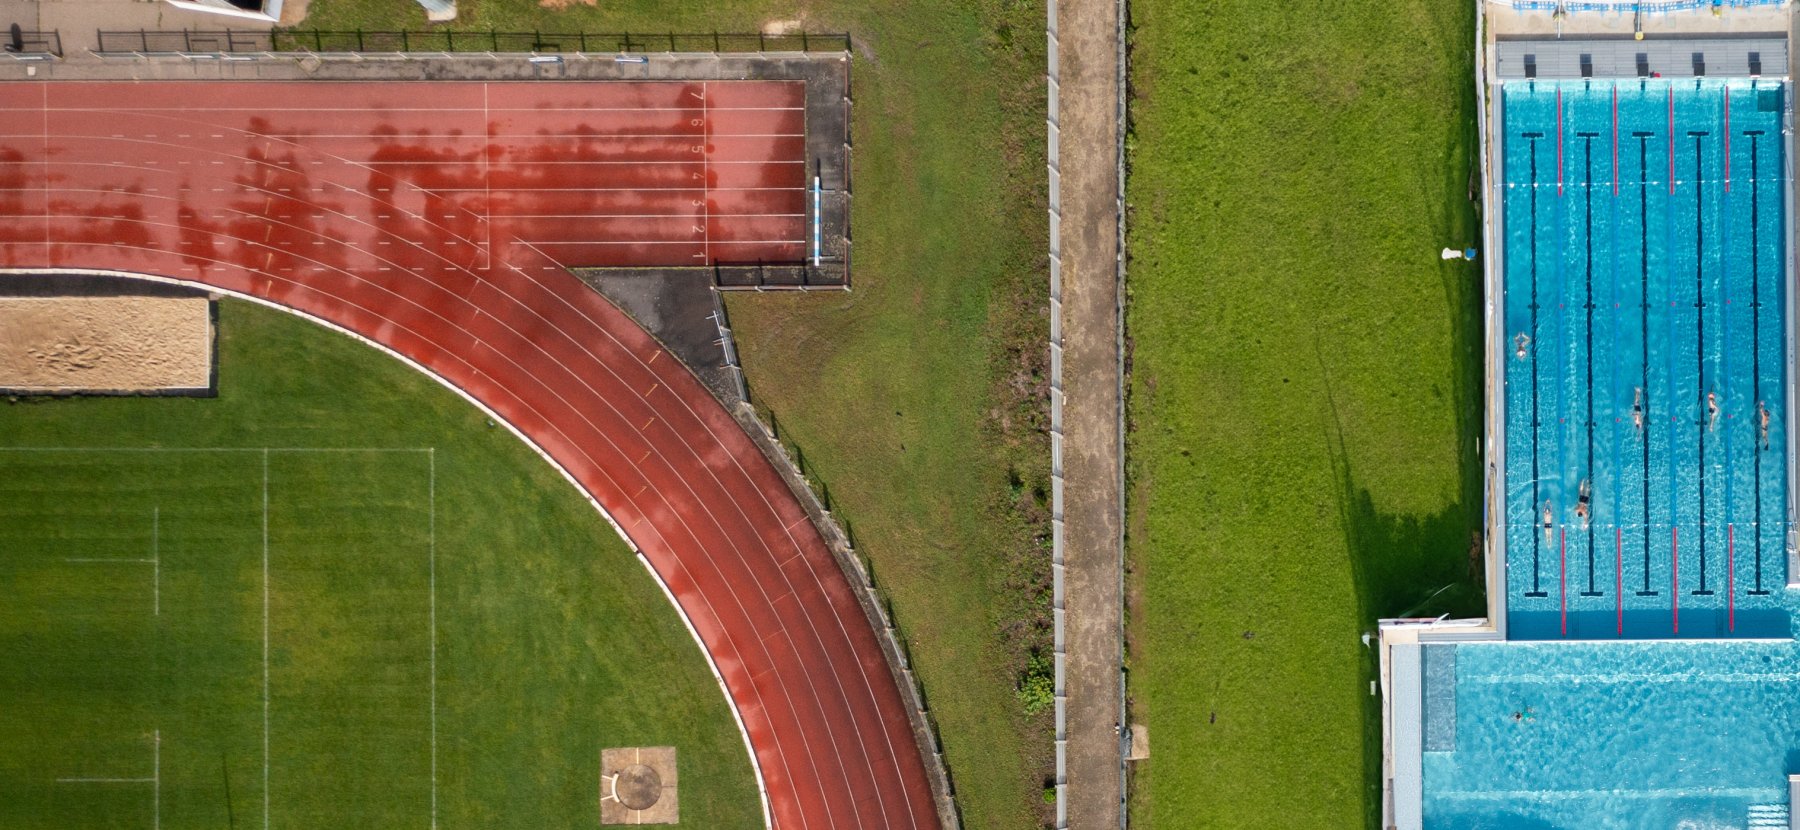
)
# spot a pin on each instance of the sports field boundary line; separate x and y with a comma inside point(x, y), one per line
point(687, 622)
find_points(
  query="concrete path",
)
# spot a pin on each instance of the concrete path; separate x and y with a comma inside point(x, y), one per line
point(1087, 42)
point(78, 21)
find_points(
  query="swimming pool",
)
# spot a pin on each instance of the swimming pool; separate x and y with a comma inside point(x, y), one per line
point(1644, 281)
point(1608, 735)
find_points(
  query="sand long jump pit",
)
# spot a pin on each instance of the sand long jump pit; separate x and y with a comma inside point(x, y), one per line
point(106, 345)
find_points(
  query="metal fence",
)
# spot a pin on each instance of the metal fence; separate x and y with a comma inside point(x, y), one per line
point(23, 45)
point(446, 41)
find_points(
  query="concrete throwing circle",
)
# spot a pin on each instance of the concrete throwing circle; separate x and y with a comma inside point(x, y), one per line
point(637, 787)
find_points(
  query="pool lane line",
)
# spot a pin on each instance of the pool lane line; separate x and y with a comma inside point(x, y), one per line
point(1587, 154)
point(1730, 579)
point(1727, 139)
point(1536, 492)
point(1704, 421)
point(1671, 140)
point(1644, 333)
point(1562, 561)
point(1756, 344)
point(1619, 576)
point(1559, 140)
point(1615, 136)
point(1675, 575)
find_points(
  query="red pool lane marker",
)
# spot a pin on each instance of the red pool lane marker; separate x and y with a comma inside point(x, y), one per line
point(1730, 577)
point(1615, 141)
point(1675, 574)
point(1728, 151)
point(1562, 560)
point(1619, 575)
point(1559, 131)
point(1671, 141)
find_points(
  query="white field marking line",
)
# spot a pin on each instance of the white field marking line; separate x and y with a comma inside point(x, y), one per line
point(544, 242)
point(155, 779)
point(431, 548)
point(156, 791)
point(448, 137)
point(439, 163)
point(361, 191)
point(429, 110)
point(156, 562)
point(756, 762)
point(705, 179)
point(812, 757)
point(591, 189)
point(265, 633)
point(648, 215)
point(370, 195)
point(45, 85)
point(487, 178)
point(396, 296)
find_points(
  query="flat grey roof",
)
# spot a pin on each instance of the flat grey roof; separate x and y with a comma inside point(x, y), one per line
point(1405, 720)
point(1741, 57)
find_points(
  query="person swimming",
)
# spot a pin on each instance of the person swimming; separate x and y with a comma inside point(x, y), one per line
point(1637, 409)
point(1762, 423)
point(1582, 502)
point(1520, 344)
point(1712, 410)
point(1549, 520)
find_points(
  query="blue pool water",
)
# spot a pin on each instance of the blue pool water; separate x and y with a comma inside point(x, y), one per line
point(1644, 269)
point(1611, 735)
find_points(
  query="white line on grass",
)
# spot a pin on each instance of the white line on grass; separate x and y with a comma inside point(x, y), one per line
point(431, 548)
point(265, 632)
point(156, 797)
point(155, 780)
point(156, 561)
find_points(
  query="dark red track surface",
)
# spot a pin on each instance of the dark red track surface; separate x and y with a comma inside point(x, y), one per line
point(436, 219)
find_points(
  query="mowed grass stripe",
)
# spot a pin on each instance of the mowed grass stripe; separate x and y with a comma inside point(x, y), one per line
point(95, 672)
point(349, 635)
point(1305, 389)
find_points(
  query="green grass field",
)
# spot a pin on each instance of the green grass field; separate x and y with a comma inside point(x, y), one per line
point(918, 398)
point(334, 596)
point(1305, 390)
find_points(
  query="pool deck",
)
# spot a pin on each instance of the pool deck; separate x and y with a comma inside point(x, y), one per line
point(1399, 643)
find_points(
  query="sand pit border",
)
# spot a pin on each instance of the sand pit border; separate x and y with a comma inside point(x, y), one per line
point(53, 285)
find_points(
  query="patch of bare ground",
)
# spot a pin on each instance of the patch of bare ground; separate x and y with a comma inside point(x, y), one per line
point(110, 344)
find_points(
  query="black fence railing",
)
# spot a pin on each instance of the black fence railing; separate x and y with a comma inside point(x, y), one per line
point(194, 42)
point(21, 43)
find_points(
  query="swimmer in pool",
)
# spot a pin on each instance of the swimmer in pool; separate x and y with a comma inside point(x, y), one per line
point(1549, 520)
point(1762, 423)
point(1712, 411)
point(1581, 501)
point(1520, 344)
point(1637, 409)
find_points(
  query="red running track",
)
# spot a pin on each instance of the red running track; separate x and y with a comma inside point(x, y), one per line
point(436, 220)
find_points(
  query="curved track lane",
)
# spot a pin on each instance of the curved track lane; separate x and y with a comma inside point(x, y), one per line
point(439, 227)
